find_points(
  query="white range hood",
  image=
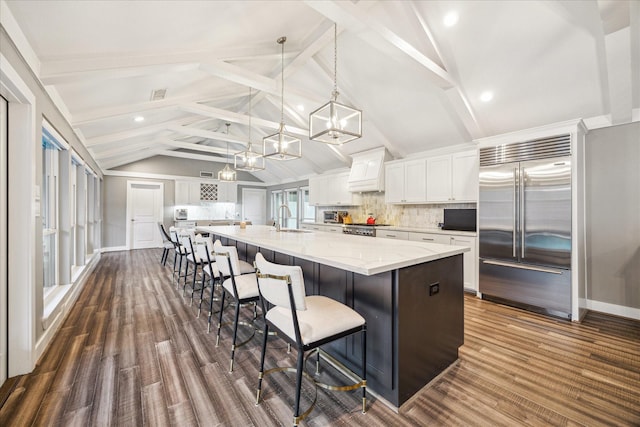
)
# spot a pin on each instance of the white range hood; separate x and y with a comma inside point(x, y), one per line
point(367, 170)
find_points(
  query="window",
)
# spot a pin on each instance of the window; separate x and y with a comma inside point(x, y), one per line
point(291, 200)
point(308, 211)
point(49, 202)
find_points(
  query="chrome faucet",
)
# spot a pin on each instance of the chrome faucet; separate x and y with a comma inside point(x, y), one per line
point(288, 212)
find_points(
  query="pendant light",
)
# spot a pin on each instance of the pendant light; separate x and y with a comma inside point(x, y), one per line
point(282, 145)
point(249, 160)
point(335, 123)
point(227, 174)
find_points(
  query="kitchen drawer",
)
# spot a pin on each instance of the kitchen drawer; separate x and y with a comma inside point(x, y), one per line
point(429, 238)
point(390, 234)
point(185, 224)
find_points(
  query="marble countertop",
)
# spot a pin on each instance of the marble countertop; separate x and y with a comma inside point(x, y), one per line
point(359, 254)
point(435, 230)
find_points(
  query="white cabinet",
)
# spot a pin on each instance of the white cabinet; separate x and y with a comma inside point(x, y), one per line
point(464, 176)
point(182, 193)
point(470, 260)
point(405, 182)
point(332, 190)
point(389, 234)
point(439, 179)
point(227, 192)
point(453, 177)
point(195, 192)
point(429, 238)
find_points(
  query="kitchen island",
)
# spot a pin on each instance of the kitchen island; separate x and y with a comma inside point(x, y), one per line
point(410, 293)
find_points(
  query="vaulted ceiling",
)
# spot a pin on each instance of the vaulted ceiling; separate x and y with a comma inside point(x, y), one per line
point(418, 81)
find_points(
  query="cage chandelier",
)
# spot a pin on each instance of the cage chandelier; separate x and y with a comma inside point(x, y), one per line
point(335, 123)
point(227, 174)
point(282, 145)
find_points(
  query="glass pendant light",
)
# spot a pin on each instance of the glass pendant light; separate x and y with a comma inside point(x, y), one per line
point(335, 123)
point(249, 160)
point(227, 174)
point(282, 145)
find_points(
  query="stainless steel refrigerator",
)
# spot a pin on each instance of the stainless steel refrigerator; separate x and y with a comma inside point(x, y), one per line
point(525, 225)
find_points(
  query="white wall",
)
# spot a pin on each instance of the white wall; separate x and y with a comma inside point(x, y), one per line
point(613, 218)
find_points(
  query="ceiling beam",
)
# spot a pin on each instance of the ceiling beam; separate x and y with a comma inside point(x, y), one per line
point(219, 113)
point(132, 133)
point(240, 75)
point(203, 133)
point(456, 101)
point(351, 16)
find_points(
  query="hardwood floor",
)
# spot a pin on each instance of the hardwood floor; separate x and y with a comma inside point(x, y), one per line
point(132, 352)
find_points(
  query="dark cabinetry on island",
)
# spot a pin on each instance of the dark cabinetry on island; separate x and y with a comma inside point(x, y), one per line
point(414, 317)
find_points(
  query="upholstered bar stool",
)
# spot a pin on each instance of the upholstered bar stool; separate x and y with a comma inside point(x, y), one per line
point(195, 262)
point(180, 251)
point(306, 322)
point(210, 274)
point(167, 244)
point(243, 288)
point(191, 266)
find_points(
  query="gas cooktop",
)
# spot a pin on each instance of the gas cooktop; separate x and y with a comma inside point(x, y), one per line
point(360, 224)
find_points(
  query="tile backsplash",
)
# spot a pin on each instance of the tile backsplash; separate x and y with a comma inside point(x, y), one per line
point(418, 216)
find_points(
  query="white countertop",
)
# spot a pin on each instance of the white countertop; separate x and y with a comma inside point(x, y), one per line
point(359, 254)
point(434, 230)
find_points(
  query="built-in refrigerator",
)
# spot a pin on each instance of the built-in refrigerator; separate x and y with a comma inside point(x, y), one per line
point(524, 218)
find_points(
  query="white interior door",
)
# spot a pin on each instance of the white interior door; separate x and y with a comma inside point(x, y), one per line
point(254, 205)
point(4, 119)
point(144, 212)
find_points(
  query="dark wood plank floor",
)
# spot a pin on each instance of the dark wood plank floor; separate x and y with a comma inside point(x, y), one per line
point(132, 352)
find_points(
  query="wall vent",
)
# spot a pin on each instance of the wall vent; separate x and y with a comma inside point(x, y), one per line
point(158, 94)
point(206, 174)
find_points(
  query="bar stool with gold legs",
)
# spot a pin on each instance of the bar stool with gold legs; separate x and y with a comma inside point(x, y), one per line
point(243, 288)
point(306, 322)
point(203, 248)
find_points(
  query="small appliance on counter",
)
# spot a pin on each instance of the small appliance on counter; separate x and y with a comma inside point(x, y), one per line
point(181, 214)
point(459, 219)
point(334, 217)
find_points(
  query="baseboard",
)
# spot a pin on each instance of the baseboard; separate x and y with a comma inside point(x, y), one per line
point(114, 249)
point(61, 312)
point(617, 310)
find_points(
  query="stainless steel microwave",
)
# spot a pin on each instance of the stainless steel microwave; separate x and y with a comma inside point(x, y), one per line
point(335, 217)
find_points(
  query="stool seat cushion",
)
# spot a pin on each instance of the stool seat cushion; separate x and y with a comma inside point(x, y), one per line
point(323, 318)
point(247, 285)
point(245, 267)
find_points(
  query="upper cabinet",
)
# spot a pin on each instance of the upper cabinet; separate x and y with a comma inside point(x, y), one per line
point(453, 178)
point(405, 182)
point(332, 190)
point(440, 179)
point(194, 192)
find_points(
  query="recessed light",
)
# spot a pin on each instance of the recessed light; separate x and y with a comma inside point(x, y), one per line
point(450, 19)
point(300, 107)
point(486, 96)
point(138, 119)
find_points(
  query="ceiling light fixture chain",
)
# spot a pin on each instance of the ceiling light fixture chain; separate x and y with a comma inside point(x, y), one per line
point(335, 62)
point(335, 123)
point(282, 145)
point(248, 159)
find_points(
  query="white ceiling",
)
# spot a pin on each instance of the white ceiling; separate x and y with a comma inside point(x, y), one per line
point(417, 81)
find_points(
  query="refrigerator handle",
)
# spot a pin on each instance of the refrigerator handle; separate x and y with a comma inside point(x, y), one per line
point(522, 225)
point(515, 210)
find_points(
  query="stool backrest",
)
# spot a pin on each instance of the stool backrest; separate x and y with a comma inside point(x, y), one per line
point(186, 237)
point(274, 281)
point(226, 259)
point(202, 248)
